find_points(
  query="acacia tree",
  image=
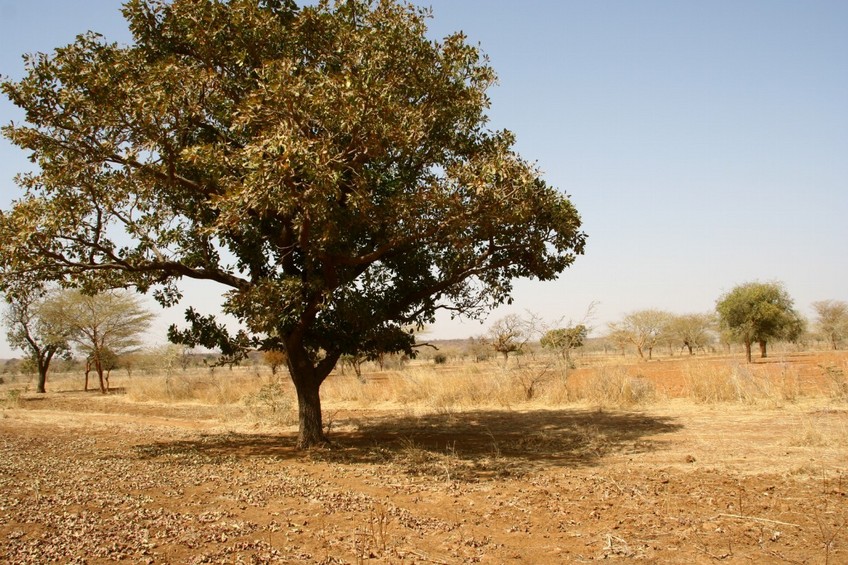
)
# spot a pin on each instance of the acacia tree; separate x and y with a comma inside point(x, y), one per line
point(757, 312)
point(329, 165)
point(102, 326)
point(644, 329)
point(692, 331)
point(832, 320)
point(30, 328)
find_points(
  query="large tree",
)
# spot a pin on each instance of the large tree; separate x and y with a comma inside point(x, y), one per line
point(757, 312)
point(32, 329)
point(330, 165)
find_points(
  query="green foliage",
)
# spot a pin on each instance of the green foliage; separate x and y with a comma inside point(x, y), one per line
point(329, 164)
point(758, 312)
point(563, 340)
point(31, 327)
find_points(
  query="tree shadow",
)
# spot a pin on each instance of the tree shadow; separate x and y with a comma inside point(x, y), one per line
point(462, 446)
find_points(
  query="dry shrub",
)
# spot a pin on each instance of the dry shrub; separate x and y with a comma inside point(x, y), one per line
point(744, 384)
point(273, 403)
point(614, 387)
point(201, 386)
point(837, 382)
point(439, 391)
point(13, 398)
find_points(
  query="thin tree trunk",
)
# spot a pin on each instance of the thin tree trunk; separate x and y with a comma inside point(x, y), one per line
point(99, 368)
point(748, 351)
point(763, 349)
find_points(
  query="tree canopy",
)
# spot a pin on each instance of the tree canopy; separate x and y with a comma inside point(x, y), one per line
point(329, 165)
point(32, 329)
point(100, 326)
point(757, 312)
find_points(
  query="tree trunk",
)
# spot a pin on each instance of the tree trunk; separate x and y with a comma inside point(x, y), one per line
point(763, 349)
point(43, 365)
point(307, 378)
point(748, 351)
point(98, 366)
point(87, 371)
point(310, 431)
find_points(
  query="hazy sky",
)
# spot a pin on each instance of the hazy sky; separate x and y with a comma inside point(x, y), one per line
point(705, 144)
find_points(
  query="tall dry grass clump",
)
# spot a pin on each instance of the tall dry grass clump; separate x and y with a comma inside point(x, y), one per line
point(613, 386)
point(203, 386)
point(439, 390)
point(740, 383)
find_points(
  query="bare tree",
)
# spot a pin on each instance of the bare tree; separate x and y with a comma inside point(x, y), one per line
point(644, 329)
point(692, 331)
point(101, 325)
point(832, 320)
point(510, 334)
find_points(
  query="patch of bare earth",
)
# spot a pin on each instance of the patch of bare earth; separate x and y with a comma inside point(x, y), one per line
point(97, 480)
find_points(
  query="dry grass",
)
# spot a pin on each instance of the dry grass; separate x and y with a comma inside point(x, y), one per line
point(456, 387)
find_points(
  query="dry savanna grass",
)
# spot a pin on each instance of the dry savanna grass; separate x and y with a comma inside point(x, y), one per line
point(678, 460)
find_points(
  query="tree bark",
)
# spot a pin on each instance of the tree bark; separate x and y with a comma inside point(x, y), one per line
point(763, 349)
point(310, 431)
point(307, 378)
point(748, 351)
point(43, 366)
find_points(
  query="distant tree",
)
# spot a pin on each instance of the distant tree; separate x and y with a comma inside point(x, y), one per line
point(692, 331)
point(832, 320)
point(509, 335)
point(565, 340)
point(330, 165)
point(644, 329)
point(102, 326)
point(479, 348)
point(31, 329)
point(758, 312)
point(275, 359)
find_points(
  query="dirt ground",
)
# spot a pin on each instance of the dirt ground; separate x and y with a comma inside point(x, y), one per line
point(91, 479)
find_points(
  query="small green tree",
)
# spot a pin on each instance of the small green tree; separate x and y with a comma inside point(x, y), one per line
point(832, 321)
point(31, 329)
point(757, 312)
point(565, 340)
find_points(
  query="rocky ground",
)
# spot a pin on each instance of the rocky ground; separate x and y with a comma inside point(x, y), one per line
point(676, 483)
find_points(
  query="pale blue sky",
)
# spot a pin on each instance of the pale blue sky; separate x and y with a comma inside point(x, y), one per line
point(704, 143)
